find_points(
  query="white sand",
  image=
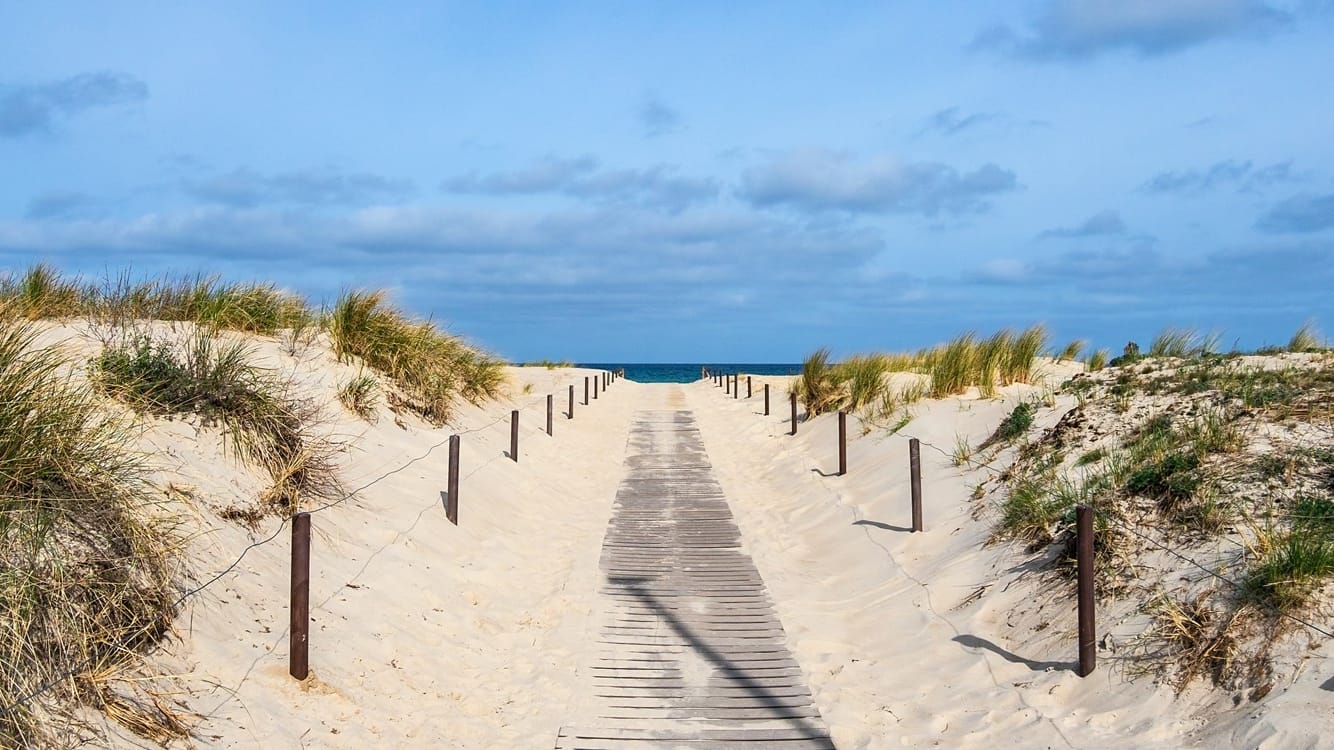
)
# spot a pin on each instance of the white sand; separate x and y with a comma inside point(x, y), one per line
point(429, 635)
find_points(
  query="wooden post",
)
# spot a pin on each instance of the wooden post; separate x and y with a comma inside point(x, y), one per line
point(570, 414)
point(1088, 650)
point(915, 469)
point(794, 413)
point(298, 658)
point(595, 388)
point(550, 398)
point(452, 483)
point(585, 391)
point(748, 391)
point(727, 384)
point(514, 435)
point(766, 399)
point(736, 386)
point(842, 442)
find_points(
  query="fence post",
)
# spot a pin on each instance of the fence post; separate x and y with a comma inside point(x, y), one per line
point(794, 413)
point(585, 390)
point(595, 388)
point(766, 399)
point(298, 659)
point(842, 442)
point(452, 483)
point(736, 386)
point(727, 384)
point(748, 391)
point(570, 413)
point(1088, 652)
point(915, 469)
point(514, 435)
point(549, 400)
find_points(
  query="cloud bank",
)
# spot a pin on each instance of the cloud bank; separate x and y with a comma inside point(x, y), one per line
point(819, 180)
point(37, 108)
point(1083, 29)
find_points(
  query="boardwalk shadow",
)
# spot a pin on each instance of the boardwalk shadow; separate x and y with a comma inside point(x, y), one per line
point(972, 641)
point(735, 673)
point(885, 526)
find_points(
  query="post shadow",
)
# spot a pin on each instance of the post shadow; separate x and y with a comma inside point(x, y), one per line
point(972, 641)
point(733, 672)
point(885, 526)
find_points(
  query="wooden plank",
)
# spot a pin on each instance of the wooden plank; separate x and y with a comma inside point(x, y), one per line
point(691, 652)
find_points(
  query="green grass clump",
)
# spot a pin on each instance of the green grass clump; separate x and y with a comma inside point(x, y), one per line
point(1015, 424)
point(40, 292)
point(954, 366)
point(217, 382)
point(1172, 479)
point(1096, 361)
point(548, 363)
point(1183, 343)
point(1292, 566)
point(1032, 511)
point(1024, 353)
point(430, 367)
point(865, 382)
point(360, 395)
point(861, 382)
point(1306, 339)
point(209, 302)
point(817, 386)
point(86, 573)
point(1071, 350)
point(1091, 457)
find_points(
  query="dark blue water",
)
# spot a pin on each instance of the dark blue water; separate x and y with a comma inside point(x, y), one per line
point(687, 372)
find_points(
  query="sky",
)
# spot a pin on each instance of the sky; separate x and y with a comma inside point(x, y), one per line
point(694, 181)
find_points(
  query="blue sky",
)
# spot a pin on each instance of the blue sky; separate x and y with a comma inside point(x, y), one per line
point(694, 181)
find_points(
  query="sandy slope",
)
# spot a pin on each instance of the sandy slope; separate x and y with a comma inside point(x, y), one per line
point(936, 639)
point(430, 635)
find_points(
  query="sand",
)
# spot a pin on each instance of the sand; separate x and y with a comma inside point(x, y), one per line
point(425, 634)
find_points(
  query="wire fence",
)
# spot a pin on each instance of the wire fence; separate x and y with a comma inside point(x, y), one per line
point(960, 458)
point(126, 644)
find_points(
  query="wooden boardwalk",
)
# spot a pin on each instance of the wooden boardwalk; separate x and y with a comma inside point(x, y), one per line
point(691, 654)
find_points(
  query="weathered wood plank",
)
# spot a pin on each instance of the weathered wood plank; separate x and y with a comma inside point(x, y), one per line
point(691, 652)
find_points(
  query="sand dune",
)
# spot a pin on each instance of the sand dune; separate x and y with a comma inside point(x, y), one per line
point(427, 634)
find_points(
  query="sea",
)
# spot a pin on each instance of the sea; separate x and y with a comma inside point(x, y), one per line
point(687, 372)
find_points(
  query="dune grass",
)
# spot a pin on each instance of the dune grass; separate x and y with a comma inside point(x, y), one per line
point(1096, 361)
point(430, 367)
point(818, 385)
point(1183, 343)
point(549, 364)
point(41, 292)
point(216, 380)
point(360, 395)
point(86, 578)
point(1306, 339)
point(862, 383)
point(1293, 563)
point(1071, 350)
